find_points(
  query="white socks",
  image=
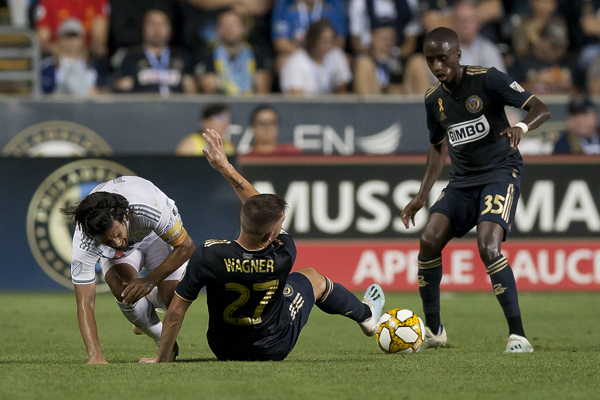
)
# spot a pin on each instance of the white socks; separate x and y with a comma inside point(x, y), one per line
point(143, 315)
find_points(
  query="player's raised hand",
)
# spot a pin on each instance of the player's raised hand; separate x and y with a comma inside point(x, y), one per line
point(515, 134)
point(215, 154)
point(136, 289)
point(408, 213)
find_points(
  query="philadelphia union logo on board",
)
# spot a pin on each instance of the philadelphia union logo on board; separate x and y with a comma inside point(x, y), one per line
point(49, 234)
point(57, 139)
point(474, 104)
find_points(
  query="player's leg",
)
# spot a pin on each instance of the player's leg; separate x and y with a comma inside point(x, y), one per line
point(334, 298)
point(436, 235)
point(141, 314)
point(499, 201)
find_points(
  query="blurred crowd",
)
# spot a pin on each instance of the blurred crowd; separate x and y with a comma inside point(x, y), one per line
point(241, 47)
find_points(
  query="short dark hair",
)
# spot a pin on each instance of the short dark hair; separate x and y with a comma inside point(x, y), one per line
point(95, 214)
point(260, 212)
point(442, 34)
point(214, 109)
point(314, 32)
point(259, 109)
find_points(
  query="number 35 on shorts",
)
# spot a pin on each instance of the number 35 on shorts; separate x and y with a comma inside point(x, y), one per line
point(500, 204)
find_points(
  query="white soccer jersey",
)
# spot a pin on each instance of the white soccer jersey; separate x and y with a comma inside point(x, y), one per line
point(152, 215)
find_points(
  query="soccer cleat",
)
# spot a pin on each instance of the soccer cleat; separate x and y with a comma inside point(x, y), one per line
point(375, 299)
point(136, 330)
point(431, 341)
point(518, 344)
point(175, 352)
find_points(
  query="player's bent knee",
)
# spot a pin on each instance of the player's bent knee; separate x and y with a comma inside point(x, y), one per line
point(488, 251)
point(317, 280)
point(431, 242)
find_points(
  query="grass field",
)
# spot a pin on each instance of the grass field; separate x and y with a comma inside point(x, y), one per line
point(42, 355)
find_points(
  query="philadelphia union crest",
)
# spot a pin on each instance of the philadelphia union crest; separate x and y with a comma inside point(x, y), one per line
point(474, 104)
point(49, 234)
point(57, 139)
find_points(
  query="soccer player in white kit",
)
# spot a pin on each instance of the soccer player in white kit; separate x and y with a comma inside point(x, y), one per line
point(127, 224)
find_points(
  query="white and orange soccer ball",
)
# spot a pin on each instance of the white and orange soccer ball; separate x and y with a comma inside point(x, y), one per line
point(400, 331)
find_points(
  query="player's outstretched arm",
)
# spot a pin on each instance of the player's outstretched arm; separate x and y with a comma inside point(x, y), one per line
point(215, 154)
point(85, 296)
point(171, 327)
point(436, 159)
point(537, 114)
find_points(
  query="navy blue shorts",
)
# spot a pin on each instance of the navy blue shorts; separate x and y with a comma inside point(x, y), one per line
point(466, 207)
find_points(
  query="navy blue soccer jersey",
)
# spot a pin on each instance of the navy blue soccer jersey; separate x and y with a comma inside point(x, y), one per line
point(244, 291)
point(471, 118)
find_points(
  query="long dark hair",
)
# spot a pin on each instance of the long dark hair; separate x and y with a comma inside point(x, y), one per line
point(95, 214)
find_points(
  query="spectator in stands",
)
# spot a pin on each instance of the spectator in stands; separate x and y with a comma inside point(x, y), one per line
point(365, 14)
point(383, 70)
point(200, 21)
point(436, 13)
point(589, 23)
point(529, 27)
point(232, 67)
point(265, 132)
point(214, 116)
point(127, 19)
point(321, 68)
point(292, 19)
point(93, 15)
point(581, 136)
point(155, 67)
point(69, 70)
point(548, 70)
point(475, 49)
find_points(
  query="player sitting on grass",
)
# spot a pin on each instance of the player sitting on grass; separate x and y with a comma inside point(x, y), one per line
point(466, 118)
point(256, 307)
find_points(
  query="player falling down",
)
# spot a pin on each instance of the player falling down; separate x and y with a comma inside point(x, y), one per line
point(127, 224)
point(256, 307)
point(466, 118)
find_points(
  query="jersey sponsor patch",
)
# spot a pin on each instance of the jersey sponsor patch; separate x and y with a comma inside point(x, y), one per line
point(469, 131)
point(516, 87)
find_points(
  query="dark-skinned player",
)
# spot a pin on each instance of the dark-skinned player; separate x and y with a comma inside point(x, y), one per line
point(466, 119)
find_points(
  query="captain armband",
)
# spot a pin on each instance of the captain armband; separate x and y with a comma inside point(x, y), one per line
point(176, 235)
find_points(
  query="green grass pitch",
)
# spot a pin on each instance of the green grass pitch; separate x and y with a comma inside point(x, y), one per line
point(42, 355)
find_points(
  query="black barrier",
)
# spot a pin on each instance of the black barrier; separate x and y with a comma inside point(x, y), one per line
point(124, 125)
point(36, 241)
point(362, 197)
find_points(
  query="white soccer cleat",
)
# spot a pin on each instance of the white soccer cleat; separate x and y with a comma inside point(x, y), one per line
point(375, 299)
point(518, 344)
point(431, 341)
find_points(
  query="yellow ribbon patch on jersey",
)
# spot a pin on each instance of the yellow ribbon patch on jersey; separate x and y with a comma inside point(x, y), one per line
point(440, 103)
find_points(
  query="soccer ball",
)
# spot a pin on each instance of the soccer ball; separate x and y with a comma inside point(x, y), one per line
point(400, 331)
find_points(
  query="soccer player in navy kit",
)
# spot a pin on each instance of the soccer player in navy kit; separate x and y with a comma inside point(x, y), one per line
point(256, 307)
point(466, 118)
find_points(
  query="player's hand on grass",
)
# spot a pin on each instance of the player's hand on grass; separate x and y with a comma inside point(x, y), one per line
point(147, 360)
point(515, 134)
point(215, 154)
point(408, 214)
point(136, 289)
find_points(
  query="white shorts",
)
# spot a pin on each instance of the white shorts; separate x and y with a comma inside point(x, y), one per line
point(149, 258)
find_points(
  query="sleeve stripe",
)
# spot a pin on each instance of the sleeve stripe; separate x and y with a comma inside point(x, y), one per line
point(151, 217)
point(527, 101)
point(183, 298)
point(78, 282)
point(147, 211)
